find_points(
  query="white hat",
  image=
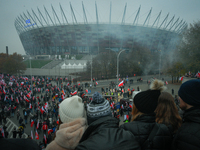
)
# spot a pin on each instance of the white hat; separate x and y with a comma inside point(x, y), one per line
point(71, 108)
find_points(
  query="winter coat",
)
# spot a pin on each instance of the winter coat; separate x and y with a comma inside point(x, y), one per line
point(105, 134)
point(188, 135)
point(68, 135)
point(142, 127)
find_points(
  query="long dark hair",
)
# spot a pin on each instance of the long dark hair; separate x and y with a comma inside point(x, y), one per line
point(167, 112)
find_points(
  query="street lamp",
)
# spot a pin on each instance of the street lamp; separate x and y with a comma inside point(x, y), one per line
point(118, 67)
point(30, 71)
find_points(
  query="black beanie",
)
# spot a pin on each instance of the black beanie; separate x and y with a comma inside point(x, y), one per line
point(147, 101)
point(190, 92)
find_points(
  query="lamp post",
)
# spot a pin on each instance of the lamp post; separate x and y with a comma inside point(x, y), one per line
point(118, 67)
point(30, 71)
point(91, 69)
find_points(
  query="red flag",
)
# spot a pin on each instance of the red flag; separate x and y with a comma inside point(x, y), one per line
point(79, 83)
point(67, 83)
point(97, 83)
point(31, 134)
point(121, 83)
point(45, 139)
point(56, 95)
point(29, 95)
point(49, 131)
point(57, 121)
point(37, 125)
point(26, 99)
point(36, 135)
point(86, 90)
point(166, 82)
point(15, 107)
point(32, 122)
point(130, 106)
point(127, 117)
point(46, 105)
point(63, 97)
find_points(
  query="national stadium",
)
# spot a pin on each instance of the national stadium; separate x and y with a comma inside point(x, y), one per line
point(44, 32)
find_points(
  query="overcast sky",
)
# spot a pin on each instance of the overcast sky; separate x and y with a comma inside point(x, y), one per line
point(188, 10)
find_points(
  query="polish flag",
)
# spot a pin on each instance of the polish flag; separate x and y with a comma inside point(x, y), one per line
point(17, 84)
point(181, 78)
point(15, 107)
point(66, 79)
point(11, 97)
point(121, 83)
point(56, 95)
point(26, 99)
point(37, 124)
point(130, 106)
point(2, 132)
point(33, 98)
point(42, 110)
point(30, 106)
point(166, 82)
point(122, 91)
point(46, 105)
point(36, 135)
point(31, 134)
point(22, 83)
point(57, 121)
point(45, 139)
point(29, 95)
point(74, 93)
point(4, 91)
point(67, 83)
point(127, 117)
point(112, 104)
point(17, 100)
point(79, 83)
point(86, 90)
point(122, 107)
point(49, 131)
point(97, 83)
point(32, 122)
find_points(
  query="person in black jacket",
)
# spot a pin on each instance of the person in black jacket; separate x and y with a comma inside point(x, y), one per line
point(14, 133)
point(147, 132)
point(103, 131)
point(188, 135)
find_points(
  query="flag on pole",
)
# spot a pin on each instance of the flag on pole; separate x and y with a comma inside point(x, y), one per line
point(121, 83)
point(42, 110)
point(79, 83)
point(45, 139)
point(97, 83)
point(29, 95)
point(2, 132)
point(57, 121)
point(86, 90)
point(74, 93)
point(166, 82)
point(17, 100)
point(31, 134)
point(37, 124)
point(32, 122)
point(36, 135)
point(49, 131)
point(30, 106)
point(130, 106)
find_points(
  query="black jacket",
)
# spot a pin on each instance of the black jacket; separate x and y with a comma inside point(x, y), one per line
point(188, 135)
point(105, 134)
point(142, 127)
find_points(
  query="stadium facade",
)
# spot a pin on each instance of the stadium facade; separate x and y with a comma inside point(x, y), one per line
point(42, 34)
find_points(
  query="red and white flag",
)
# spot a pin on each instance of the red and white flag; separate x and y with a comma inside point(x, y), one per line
point(37, 124)
point(26, 99)
point(130, 106)
point(32, 122)
point(45, 139)
point(122, 107)
point(36, 135)
point(97, 83)
point(11, 97)
point(46, 105)
point(29, 95)
point(166, 82)
point(17, 100)
point(74, 93)
point(49, 131)
point(181, 78)
point(63, 97)
point(67, 83)
point(86, 90)
point(57, 121)
point(2, 132)
point(79, 83)
point(30, 106)
point(121, 83)
point(42, 110)
point(31, 134)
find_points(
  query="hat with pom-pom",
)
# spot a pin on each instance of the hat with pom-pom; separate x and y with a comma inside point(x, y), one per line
point(98, 107)
point(147, 101)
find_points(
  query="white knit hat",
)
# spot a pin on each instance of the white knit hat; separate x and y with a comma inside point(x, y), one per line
point(71, 108)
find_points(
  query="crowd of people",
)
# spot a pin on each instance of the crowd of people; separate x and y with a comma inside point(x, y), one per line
point(70, 120)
